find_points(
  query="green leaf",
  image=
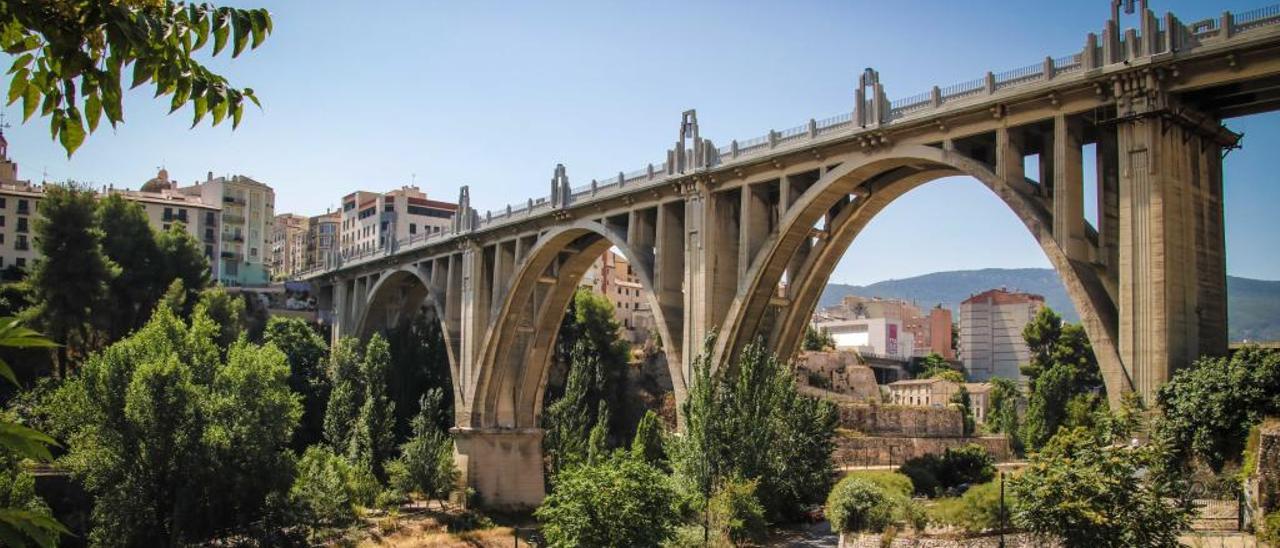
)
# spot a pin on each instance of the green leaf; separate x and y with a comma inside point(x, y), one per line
point(243, 26)
point(72, 134)
point(266, 18)
point(258, 19)
point(17, 86)
point(22, 62)
point(248, 92)
point(221, 29)
point(30, 99)
point(219, 109)
point(93, 111)
point(141, 74)
point(236, 114)
point(201, 106)
point(111, 105)
point(7, 372)
point(26, 442)
point(180, 95)
point(55, 123)
point(200, 23)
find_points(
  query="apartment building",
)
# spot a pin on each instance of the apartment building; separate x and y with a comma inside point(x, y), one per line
point(248, 213)
point(879, 337)
point(991, 323)
point(612, 276)
point(322, 242)
point(288, 241)
point(372, 220)
point(930, 333)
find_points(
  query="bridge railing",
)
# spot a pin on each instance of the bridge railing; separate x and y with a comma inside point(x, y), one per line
point(910, 106)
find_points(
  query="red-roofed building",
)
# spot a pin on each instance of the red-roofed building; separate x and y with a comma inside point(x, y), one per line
point(991, 324)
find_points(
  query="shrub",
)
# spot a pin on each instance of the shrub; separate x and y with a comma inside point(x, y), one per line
point(915, 515)
point(735, 512)
point(976, 511)
point(617, 501)
point(858, 505)
point(322, 492)
point(426, 462)
point(931, 474)
point(893, 483)
point(1270, 530)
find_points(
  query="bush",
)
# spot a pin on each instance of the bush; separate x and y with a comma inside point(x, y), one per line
point(931, 474)
point(426, 462)
point(322, 491)
point(976, 511)
point(915, 515)
point(857, 505)
point(618, 501)
point(1270, 530)
point(893, 483)
point(736, 513)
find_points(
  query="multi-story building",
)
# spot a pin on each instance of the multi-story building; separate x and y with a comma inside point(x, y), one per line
point(880, 337)
point(937, 392)
point(322, 243)
point(288, 251)
point(612, 276)
point(931, 333)
point(248, 212)
point(991, 323)
point(164, 208)
point(373, 221)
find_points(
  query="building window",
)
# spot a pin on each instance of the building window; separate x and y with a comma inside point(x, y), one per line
point(413, 229)
point(389, 208)
point(22, 207)
point(1, 238)
point(22, 224)
point(253, 252)
point(22, 263)
point(1, 219)
point(3, 203)
point(210, 218)
point(21, 244)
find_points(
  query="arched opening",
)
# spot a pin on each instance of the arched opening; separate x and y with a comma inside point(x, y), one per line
point(818, 229)
point(403, 310)
point(519, 349)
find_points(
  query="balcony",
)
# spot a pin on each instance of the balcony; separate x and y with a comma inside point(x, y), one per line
point(233, 200)
point(232, 219)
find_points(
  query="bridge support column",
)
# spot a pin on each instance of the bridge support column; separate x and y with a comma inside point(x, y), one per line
point(1172, 271)
point(503, 465)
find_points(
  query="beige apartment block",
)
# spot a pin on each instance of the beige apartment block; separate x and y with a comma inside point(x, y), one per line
point(373, 221)
point(248, 212)
point(936, 392)
point(287, 254)
point(323, 232)
point(991, 323)
point(613, 276)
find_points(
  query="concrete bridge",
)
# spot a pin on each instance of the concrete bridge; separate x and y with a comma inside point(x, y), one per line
point(737, 241)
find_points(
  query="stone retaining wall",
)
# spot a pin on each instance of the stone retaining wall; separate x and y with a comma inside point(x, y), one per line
point(893, 451)
point(900, 420)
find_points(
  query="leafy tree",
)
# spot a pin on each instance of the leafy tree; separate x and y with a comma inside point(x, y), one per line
point(347, 395)
point(817, 341)
point(1003, 416)
point(70, 57)
point(571, 418)
point(1062, 366)
point(182, 258)
point(964, 403)
point(1210, 406)
point(128, 240)
point(1087, 491)
point(930, 473)
point(307, 353)
point(588, 345)
point(426, 462)
point(598, 440)
point(933, 365)
point(328, 489)
point(373, 441)
point(856, 505)
point(618, 501)
point(750, 423)
point(176, 443)
point(735, 512)
point(977, 510)
point(24, 517)
point(647, 445)
point(226, 311)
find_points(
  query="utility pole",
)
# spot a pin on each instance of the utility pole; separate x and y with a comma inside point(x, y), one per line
point(1002, 522)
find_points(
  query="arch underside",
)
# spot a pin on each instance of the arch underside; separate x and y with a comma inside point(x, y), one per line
point(394, 298)
point(519, 345)
point(819, 228)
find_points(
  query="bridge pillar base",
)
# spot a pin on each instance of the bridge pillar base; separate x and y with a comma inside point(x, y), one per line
point(502, 465)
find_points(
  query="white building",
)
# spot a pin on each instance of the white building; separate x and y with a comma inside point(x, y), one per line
point(372, 221)
point(882, 337)
point(991, 323)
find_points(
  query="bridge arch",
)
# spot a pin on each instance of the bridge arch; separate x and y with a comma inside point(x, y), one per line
point(516, 353)
point(864, 185)
point(396, 295)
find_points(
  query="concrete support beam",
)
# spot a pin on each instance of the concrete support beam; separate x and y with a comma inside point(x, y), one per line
point(504, 466)
point(754, 225)
point(1068, 189)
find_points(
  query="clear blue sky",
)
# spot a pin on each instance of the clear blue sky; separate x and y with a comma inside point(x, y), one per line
point(363, 95)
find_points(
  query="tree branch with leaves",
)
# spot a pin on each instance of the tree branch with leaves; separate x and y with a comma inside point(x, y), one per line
point(70, 57)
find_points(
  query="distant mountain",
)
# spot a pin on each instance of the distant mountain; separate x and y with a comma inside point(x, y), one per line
point(1253, 306)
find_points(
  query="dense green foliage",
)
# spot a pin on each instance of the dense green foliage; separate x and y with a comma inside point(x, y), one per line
point(894, 483)
point(1062, 367)
point(618, 501)
point(71, 57)
point(69, 286)
point(964, 404)
point(647, 445)
point(373, 441)
point(174, 442)
point(24, 518)
point(306, 351)
point(226, 311)
point(933, 365)
point(328, 488)
point(750, 423)
point(596, 359)
point(817, 341)
point(1086, 490)
point(735, 513)
point(346, 396)
point(976, 511)
point(857, 505)
point(1210, 406)
point(1002, 416)
point(932, 474)
point(425, 465)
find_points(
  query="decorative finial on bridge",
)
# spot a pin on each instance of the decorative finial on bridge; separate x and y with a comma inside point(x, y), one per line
point(560, 189)
point(464, 219)
point(688, 149)
point(871, 106)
